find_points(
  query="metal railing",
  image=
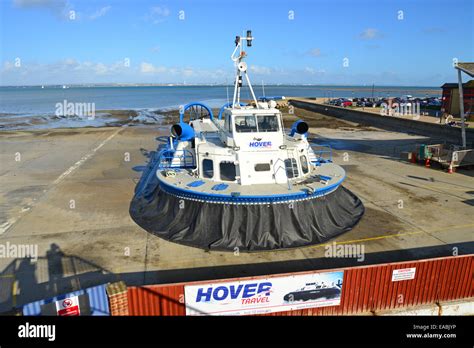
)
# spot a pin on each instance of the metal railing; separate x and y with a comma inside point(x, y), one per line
point(170, 158)
point(323, 153)
point(291, 164)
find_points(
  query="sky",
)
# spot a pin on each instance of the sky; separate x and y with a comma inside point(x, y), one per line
point(339, 42)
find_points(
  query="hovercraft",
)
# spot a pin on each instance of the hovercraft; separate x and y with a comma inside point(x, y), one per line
point(315, 291)
point(238, 181)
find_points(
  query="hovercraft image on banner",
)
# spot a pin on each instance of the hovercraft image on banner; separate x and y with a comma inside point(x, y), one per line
point(266, 295)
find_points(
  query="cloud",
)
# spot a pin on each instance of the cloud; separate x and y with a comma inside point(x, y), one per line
point(8, 66)
point(433, 30)
point(188, 72)
point(370, 34)
point(39, 3)
point(64, 71)
point(72, 71)
point(313, 71)
point(260, 70)
point(148, 68)
point(158, 14)
point(315, 52)
point(100, 12)
point(373, 46)
point(155, 49)
point(101, 69)
point(59, 8)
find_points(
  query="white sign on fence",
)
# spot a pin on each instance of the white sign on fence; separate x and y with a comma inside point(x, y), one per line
point(265, 295)
point(403, 274)
point(68, 306)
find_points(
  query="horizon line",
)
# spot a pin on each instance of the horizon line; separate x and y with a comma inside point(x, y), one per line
point(172, 84)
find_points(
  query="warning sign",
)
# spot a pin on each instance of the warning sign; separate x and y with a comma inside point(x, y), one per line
point(68, 306)
point(403, 274)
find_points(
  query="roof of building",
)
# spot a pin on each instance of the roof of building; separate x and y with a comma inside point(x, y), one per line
point(467, 68)
point(468, 84)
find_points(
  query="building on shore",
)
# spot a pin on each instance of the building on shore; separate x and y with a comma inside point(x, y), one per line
point(450, 103)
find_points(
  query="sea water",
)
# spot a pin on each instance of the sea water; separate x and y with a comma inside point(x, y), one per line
point(19, 106)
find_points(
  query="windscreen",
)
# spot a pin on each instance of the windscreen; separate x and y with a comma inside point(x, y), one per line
point(267, 123)
point(247, 124)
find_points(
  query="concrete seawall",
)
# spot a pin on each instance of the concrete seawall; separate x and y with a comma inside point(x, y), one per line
point(441, 132)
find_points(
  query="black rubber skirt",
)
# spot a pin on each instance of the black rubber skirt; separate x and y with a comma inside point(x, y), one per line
point(231, 227)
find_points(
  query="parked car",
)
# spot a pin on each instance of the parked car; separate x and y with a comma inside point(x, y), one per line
point(434, 103)
point(346, 103)
point(364, 102)
point(379, 102)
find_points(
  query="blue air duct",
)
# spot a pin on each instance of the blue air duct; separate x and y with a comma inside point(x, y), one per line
point(299, 127)
point(182, 131)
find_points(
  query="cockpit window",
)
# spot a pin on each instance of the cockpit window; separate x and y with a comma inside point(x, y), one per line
point(245, 124)
point(267, 123)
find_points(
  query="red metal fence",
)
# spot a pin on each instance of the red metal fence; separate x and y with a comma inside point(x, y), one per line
point(365, 289)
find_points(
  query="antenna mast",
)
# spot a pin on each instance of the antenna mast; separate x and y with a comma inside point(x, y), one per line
point(241, 68)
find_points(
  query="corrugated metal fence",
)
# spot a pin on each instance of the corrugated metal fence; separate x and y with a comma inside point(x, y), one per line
point(98, 300)
point(365, 289)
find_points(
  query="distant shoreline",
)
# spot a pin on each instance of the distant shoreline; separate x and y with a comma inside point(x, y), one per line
point(36, 100)
point(67, 86)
